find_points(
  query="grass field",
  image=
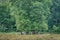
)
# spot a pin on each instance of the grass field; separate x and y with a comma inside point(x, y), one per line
point(17, 36)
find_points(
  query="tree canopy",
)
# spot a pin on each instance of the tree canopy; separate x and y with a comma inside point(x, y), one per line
point(30, 16)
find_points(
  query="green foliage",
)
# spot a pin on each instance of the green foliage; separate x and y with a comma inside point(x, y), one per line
point(7, 23)
point(30, 15)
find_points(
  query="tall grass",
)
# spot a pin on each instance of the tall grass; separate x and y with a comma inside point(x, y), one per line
point(17, 36)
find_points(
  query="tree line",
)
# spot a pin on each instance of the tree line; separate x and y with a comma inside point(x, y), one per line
point(36, 16)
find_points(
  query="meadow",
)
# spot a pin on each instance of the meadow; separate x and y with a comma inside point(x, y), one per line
point(17, 36)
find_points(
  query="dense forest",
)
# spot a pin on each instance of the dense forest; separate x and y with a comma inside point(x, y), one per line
point(30, 16)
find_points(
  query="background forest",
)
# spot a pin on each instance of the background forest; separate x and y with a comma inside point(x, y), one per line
point(30, 16)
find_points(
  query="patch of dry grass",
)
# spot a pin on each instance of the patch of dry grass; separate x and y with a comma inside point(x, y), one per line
point(16, 36)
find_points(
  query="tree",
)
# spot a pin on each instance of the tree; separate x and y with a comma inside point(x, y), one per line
point(7, 23)
point(55, 15)
point(31, 15)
